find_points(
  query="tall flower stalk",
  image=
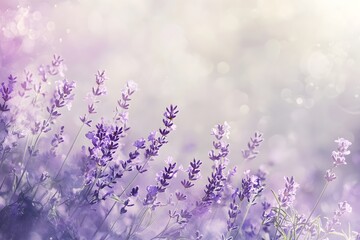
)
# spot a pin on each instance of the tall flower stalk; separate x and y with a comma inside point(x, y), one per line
point(339, 158)
point(155, 143)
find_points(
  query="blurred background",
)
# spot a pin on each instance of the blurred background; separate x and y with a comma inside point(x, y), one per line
point(286, 68)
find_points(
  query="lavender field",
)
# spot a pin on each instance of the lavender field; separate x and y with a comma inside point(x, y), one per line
point(179, 119)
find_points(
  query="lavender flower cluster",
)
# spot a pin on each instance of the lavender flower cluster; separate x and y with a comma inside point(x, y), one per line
point(106, 191)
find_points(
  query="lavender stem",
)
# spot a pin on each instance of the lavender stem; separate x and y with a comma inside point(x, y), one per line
point(68, 153)
point(315, 206)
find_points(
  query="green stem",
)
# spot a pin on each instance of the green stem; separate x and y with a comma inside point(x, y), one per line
point(139, 223)
point(2, 159)
point(243, 220)
point(102, 222)
point(315, 206)
point(28, 161)
point(35, 192)
point(3, 181)
point(111, 228)
point(280, 222)
point(68, 153)
point(262, 223)
point(164, 230)
point(17, 183)
point(167, 225)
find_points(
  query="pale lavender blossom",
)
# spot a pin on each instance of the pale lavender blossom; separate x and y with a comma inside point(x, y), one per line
point(93, 97)
point(331, 223)
point(213, 190)
point(338, 158)
point(7, 92)
point(288, 194)
point(221, 130)
point(251, 187)
point(251, 152)
point(330, 175)
point(233, 212)
point(162, 183)
point(193, 174)
point(62, 96)
point(56, 67)
point(342, 151)
point(123, 103)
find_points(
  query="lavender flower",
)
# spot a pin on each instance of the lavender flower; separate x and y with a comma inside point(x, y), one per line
point(162, 183)
point(338, 157)
point(157, 142)
point(45, 175)
point(267, 217)
point(215, 186)
point(26, 85)
point(198, 235)
point(105, 143)
point(134, 191)
point(250, 229)
point(251, 187)
point(152, 192)
point(128, 164)
point(220, 146)
point(342, 151)
point(125, 206)
point(213, 190)
point(181, 217)
point(180, 196)
point(166, 175)
point(123, 103)
point(330, 175)
point(335, 220)
point(233, 212)
point(287, 195)
point(221, 130)
point(6, 91)
point(251, 152)
point(98, 90)
point(56, 67)
point(57, 140)
point(63, 95)
point(193, 174)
